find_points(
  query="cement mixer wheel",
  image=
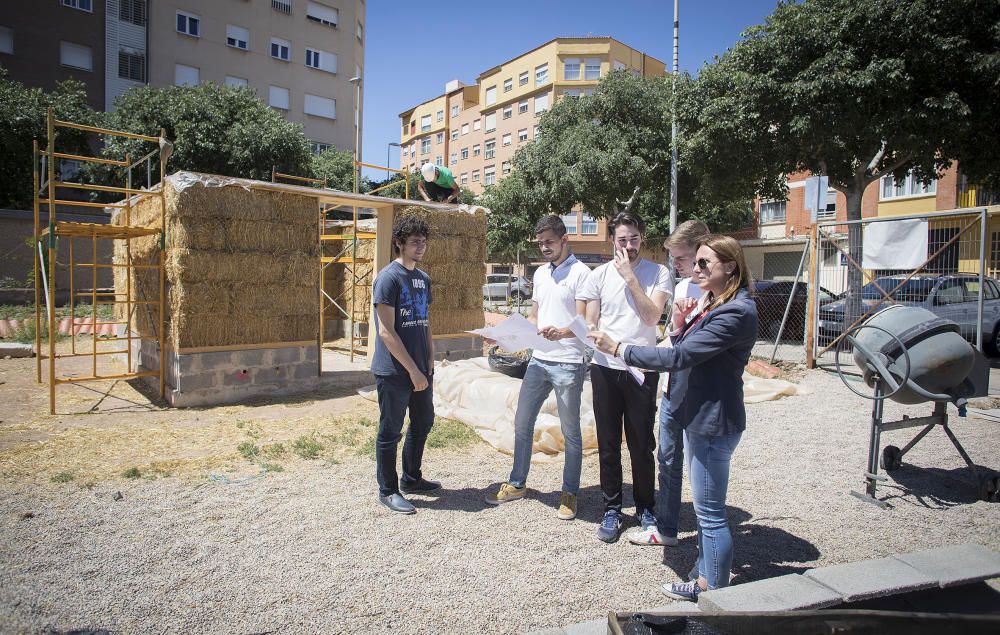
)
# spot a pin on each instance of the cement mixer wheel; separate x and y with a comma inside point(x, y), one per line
point(892, 458)
point(989, 488)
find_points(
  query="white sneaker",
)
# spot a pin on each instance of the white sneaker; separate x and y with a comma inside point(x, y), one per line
point(651, 536)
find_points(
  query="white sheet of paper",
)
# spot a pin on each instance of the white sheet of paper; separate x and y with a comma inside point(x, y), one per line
point(580, 330)
point(516, 334)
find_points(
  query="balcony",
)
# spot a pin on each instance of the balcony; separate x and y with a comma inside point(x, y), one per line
point(282, 7)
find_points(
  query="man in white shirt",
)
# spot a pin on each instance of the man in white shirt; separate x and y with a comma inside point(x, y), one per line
point(682, 245)
point(554, 305)
point(625, 298)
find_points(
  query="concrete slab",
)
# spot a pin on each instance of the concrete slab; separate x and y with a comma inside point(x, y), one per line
point(16, 349)
point(955, 564)
point(871, 578)
point(549, 631)
point(676, 607)
point(785, 593)
point(594, 627)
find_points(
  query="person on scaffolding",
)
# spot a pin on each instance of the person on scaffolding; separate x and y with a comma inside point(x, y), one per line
point(438, 184)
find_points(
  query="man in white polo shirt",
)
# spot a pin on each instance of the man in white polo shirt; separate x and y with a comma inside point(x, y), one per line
point(625, 297)
point(554, 305)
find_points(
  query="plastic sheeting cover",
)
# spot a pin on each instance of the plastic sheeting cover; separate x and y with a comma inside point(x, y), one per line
point(485, 400)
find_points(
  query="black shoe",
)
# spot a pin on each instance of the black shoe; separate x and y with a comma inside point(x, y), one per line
point(420, 487)
point(398, 504)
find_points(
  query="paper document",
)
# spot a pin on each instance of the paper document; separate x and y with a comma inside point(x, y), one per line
point(579, 328)
point(516, 334)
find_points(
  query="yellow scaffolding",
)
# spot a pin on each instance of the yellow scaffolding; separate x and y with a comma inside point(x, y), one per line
point(352, 261)
point(45, 183)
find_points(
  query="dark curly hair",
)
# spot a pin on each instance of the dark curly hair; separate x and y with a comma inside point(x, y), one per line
point(406, 226)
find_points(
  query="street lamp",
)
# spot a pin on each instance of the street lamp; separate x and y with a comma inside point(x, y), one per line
point(356, 80)
point(387, 150)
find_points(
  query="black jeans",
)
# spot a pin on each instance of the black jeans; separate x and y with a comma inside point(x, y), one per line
point(395, 395)
point(436, 192)
point(619, 400)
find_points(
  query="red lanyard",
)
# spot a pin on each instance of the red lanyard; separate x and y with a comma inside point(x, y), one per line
point(693, 322)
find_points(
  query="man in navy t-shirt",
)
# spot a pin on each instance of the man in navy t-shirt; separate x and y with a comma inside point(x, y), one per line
point(403, 365)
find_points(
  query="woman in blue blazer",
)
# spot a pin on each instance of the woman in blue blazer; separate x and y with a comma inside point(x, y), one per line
point(712, 339)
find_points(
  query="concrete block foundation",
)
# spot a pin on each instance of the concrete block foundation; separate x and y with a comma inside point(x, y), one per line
point(457, 347)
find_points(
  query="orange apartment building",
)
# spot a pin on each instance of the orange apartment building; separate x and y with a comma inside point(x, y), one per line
point(474, 130)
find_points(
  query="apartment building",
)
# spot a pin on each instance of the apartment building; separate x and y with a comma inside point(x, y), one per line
point(475, 129)
point(298, 55)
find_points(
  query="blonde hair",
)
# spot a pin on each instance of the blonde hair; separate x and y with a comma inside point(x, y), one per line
point(690, 233)
point(728, 250)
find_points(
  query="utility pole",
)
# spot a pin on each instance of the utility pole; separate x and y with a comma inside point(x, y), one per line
point(673, 131)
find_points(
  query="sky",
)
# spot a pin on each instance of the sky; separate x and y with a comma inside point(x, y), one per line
point(412, 53)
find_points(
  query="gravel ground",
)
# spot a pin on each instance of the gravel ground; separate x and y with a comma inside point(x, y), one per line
point(309, 549)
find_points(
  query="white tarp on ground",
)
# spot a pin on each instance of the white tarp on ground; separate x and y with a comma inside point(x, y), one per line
point(470, 392)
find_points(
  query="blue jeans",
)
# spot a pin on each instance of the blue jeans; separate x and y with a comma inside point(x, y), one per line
point(540, 378)
point(670, 457)
point(395, 396)
point(709, 475)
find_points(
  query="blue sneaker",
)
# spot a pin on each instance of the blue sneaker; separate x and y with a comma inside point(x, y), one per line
point(682, 590)
point(610, 526)
point(646, 519)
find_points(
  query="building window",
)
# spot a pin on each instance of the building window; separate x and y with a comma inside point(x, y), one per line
point(281, 6)
point(454, 158)
point(772, 212)
point(491, 95)
point(318, 147)
point(425, 123)
point(541, 75)
point(236, 82)
point(320, 106)
point(508, 85)
point(831, 206)
point(281, 49)
point(489, 175)
point(6, 40)
point(425, 145)
point(186, 75)
point(440, 138)
point(465, 153)
point(891, 188)
point(506, 140)
point(588, 225)
point(522, 135)
point(132, 11)
point(322, 14)
point(321, 60)
point(570, 221)
point(522, 79)
point(491, 122)
point(465, 128)
point(588, 92)
point(475, 150)
point(571, 69)
point(278, 97)
point(522, 107)
point(76, 56)
point(477, 124)
point(361, 32)
point(618, 66)
point(132, 65)
point(82, 5)
point(188, 24)
point(454, 111)
point(572, 93)
point(406, 150)
point(505, 168)
point(592, 69)
point(491, 148)
point(413, 149)
point(439, 160)
point(454, 134)
point(508, 112)
point(475, 176)
point(541, 103)
point(237, 37)
point(538, 131)
point(440, 115)
point(465, 178)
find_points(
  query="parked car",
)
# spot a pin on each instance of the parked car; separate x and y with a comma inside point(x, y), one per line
point(772, 296)
point(501, 286)
point(954, 297)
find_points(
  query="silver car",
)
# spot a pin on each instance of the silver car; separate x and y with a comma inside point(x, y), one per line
point(504, 286)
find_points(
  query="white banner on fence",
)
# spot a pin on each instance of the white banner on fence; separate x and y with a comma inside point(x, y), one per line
point(897, 244)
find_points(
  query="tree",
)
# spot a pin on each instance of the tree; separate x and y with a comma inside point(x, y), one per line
point(215, 129)
point(337, 167)
point(23, 118)
point(601, 151)
point(852, 90)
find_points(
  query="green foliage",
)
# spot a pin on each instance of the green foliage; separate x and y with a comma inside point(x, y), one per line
point(132, 473)
point(23, 118)
point(307, 447)
point(62, 477)
point(215, 129)
point(336, 166)
point(248, 450)
point(451, 435)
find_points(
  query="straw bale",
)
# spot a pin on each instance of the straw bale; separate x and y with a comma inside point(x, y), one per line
point(448, 223)
point(454, 297)
point(447, 321)
point(237, 204)
point(270, 300)
point(447, 249)
point(189, 266)
point(222, 234)
point(199, 298)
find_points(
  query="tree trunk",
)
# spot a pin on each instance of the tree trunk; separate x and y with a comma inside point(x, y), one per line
point(853, 306)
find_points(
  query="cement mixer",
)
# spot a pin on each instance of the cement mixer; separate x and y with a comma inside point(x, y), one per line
point(911, 355)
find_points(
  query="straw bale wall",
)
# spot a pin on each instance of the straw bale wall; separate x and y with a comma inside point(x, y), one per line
point(242, 266)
